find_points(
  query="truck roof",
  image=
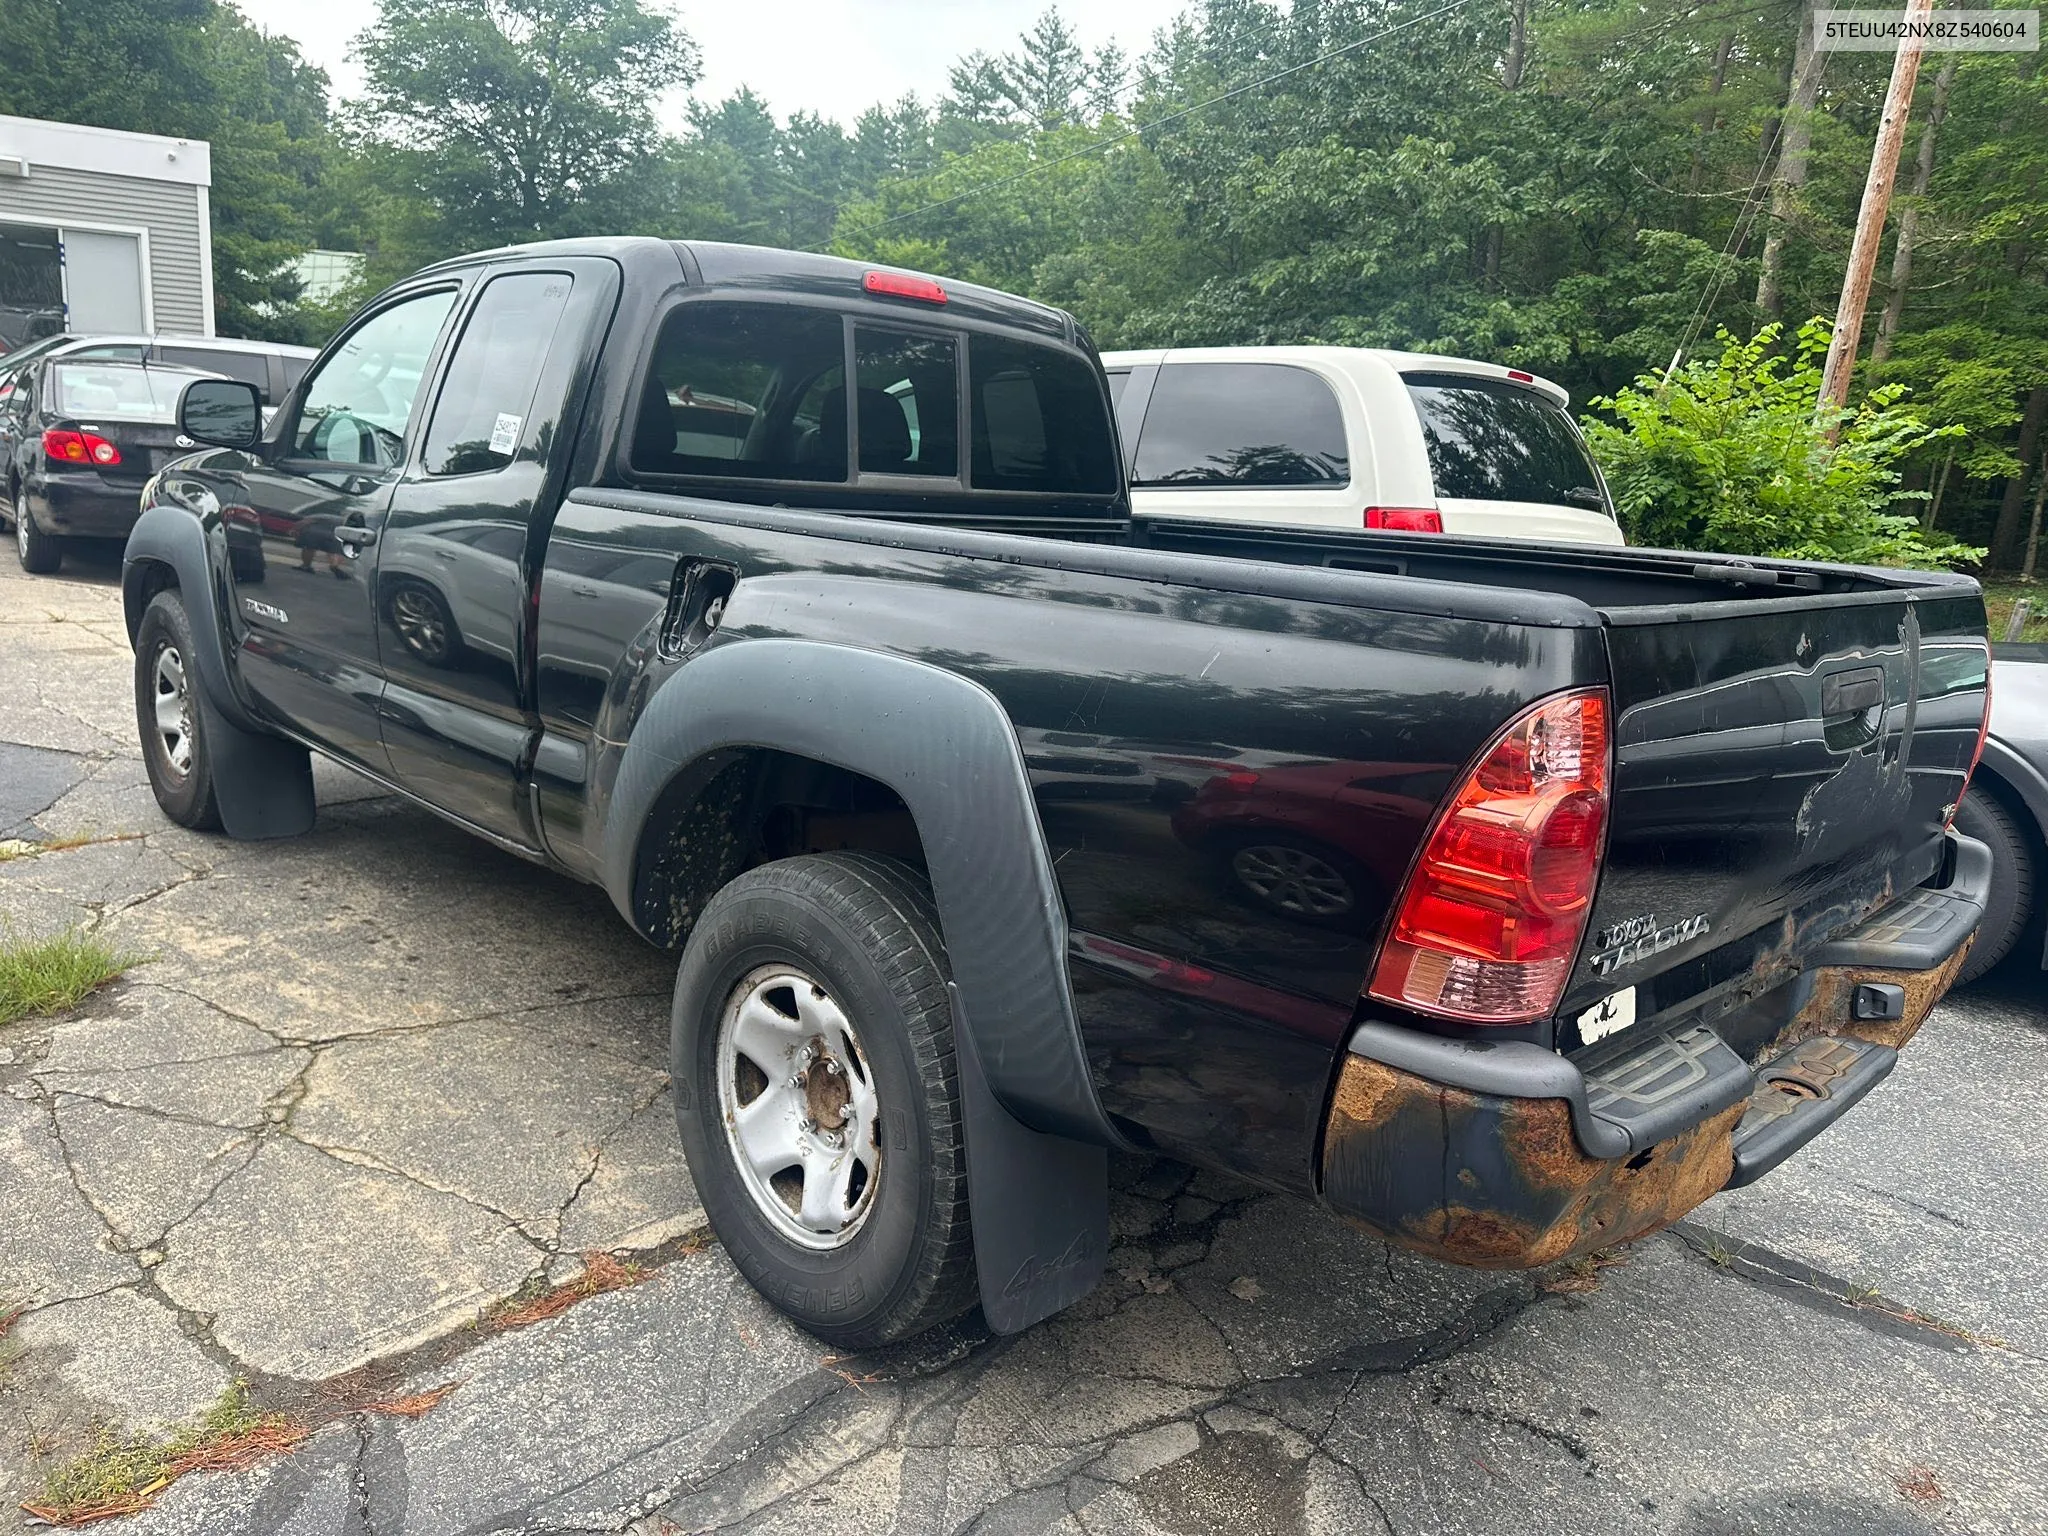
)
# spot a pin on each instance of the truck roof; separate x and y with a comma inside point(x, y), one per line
point(722, 264)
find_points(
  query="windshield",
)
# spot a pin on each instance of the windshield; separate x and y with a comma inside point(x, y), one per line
point(126, 390)
point(1492, 441)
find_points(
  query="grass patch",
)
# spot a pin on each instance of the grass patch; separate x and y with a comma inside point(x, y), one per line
point(122, 1474)
point(50, 975)
point(601, 1273)
point(1999, 596)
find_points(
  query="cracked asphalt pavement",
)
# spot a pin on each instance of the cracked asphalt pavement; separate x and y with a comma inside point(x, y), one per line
point(366, 1084)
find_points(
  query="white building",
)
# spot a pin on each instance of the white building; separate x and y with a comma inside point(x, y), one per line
point(102, 231)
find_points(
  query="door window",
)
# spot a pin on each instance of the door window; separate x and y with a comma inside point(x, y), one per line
point(488, 386)
point(1038, 420)
point(909, 404)
point(1244, 424)
point(754, 391)
point(357, 403)
point(1494, 441)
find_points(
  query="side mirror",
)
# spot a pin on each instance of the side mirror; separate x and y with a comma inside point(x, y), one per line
point(225, 412)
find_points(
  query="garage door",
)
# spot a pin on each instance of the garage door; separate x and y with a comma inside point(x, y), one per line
point(103, 281)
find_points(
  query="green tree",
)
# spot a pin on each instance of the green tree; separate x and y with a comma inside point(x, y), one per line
point(1727, 454)
point(192, 69)
point(518, 119)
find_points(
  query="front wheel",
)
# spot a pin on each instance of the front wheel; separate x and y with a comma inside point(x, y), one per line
point(812, 1055)
point(167, 715)
point(40, 553)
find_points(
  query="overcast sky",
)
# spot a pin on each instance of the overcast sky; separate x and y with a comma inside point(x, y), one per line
point(833, 58)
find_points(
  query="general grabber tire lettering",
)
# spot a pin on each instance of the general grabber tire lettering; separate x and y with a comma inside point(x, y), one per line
point(167, 715)
point(1984, 816)
point(816, 1093)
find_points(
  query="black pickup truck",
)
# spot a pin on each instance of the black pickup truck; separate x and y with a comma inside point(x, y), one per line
point(1510, 900)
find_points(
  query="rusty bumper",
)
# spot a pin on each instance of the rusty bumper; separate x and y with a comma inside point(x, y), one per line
point(1508, 1156)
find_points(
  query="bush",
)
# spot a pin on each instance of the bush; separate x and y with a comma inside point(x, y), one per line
point(1729, 455)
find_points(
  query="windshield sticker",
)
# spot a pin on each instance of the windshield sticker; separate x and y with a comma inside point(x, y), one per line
point(505, 435)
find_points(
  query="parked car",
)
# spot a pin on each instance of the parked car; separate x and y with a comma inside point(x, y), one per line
point(77, 441)
point(810, 687)
point(272, 366)
point(2007, 808)
point(1355, 437)
point(15, 361)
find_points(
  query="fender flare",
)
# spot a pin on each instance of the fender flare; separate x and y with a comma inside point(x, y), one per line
point(173, 536)
point(946, 746)
point(1036, 1134)
point(263, 783)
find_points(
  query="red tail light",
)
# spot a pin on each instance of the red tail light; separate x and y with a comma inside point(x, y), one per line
point(1494, 909)
point(1405, 519)
point(79, 448)
point(1521, 377)
point(898, 285)
point(1976, 755)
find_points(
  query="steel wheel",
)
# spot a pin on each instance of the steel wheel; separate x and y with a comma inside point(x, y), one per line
point(799, 1107)
point(1293, 880)
point(420, 623)
point(20, 530)
point(173, 702)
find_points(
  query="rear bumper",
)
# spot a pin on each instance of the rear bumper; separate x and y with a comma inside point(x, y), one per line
point(1508, 1156)
point(82, 504)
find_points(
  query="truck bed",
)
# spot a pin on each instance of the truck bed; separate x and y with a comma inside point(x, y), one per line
point(1185, 686)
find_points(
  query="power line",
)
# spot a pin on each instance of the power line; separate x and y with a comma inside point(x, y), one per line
point(1171, 117)
point(1738, 235)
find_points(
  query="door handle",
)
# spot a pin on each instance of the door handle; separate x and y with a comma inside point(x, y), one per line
point(354, 541)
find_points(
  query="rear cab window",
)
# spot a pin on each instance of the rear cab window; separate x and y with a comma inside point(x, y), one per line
point(749, 390)
point(1489, 440)
point(1242, 424)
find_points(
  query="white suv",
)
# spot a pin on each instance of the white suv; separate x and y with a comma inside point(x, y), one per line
point(1354, 437)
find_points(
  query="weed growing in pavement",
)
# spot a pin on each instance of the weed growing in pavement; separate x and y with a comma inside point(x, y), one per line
point(51, 974)
point(123, 1474)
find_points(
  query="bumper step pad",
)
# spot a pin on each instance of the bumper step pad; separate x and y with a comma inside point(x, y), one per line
point(1799, 1095)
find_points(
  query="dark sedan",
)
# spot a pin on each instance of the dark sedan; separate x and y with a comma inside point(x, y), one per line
point(77, 442)
point(2007, 807)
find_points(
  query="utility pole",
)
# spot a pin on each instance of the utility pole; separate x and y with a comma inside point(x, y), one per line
point(1877, 199)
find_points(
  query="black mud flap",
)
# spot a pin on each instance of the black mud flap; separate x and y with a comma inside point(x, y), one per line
point(1801, 1094)
point(1040, 1203)
point(262, 784)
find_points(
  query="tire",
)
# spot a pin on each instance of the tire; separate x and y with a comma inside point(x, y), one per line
point(40, 553)
point(168, 718)
point(1985, 817)
point(1299, 878)
point(888, 1251)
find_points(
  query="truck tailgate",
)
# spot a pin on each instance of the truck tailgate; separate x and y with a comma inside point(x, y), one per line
point(1783, 769)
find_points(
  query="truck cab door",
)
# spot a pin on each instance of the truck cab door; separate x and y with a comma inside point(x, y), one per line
point(303, 515)
point(462, 545)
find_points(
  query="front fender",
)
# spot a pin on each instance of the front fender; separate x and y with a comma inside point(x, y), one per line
point(263, 784)
point(176, 537)
point(944, 744)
